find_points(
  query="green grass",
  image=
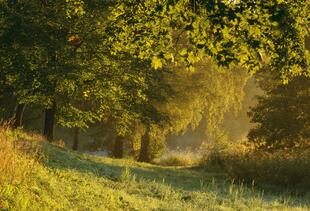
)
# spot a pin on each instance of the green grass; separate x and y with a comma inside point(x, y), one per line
point(65, 180)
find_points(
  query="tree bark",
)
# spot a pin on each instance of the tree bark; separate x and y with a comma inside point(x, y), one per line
point(49, 121)
point(118, 147)
point(18, 116)
point(145, 145)
point(76, 138)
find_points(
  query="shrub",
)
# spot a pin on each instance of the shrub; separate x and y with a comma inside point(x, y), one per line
point(289, 168)
point(179, 158)
point(216, 154)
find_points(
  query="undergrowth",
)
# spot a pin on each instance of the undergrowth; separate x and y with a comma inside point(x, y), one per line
point(179, 158)
point(18, 161)
point(284, 168)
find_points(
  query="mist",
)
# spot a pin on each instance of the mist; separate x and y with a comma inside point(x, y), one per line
point(235, 126)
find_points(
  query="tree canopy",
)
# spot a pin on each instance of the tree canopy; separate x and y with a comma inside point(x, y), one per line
point(248, 33)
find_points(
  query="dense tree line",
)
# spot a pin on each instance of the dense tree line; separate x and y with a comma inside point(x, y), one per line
point(54, 58)
point(148, 69)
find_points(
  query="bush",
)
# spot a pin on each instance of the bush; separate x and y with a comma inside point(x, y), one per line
point(289, 168)
point(179, 158)
point(216, 154)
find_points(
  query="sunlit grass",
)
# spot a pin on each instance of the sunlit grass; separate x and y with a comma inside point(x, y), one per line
point(60, 179)
point(179, 158)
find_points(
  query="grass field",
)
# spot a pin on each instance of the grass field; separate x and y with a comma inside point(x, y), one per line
point(58, 179)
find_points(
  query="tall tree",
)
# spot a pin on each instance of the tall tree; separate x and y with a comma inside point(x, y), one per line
point(43, 66)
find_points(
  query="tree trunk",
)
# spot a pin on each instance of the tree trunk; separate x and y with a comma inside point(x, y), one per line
point(118, 147)
point(18, 117)
point(48, 131)
point(145, 145)
point(76, 138)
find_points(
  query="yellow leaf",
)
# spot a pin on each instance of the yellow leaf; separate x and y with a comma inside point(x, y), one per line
point(156, 63)
point(183, 52)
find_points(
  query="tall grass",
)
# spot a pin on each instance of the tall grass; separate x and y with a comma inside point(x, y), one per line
point(17, 162)
point(13, 165)
point(179, 158)
point(285, 168)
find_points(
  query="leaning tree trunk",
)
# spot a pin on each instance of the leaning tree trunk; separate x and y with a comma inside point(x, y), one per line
point(76, 138)
point(48, 131)
point(118, 147)
point(145, 145)
point(18, 116)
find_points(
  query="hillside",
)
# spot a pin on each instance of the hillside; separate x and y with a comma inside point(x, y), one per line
point(36, 175)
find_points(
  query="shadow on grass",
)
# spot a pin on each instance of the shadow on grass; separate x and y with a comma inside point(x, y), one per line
point(187, 178)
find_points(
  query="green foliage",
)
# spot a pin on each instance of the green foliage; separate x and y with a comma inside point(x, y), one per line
point(240, 32)
point(282, 115)
point(41, 64)
point(203, 96)
point(157, 141)
point(192, 99)
point(284, 168)
point(55, 55)
point(75, 8)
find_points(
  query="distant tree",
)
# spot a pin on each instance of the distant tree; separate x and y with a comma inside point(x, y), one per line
point(282, 115)
point(141, 89)
point(204, 95)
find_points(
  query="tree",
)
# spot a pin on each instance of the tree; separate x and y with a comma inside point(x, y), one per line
point(76, 137)
point(196, 98)
point(17, 59)
point(245, 33)
point(282, 115)
point(32, 40)
point(73, 76)
point(118, 147)
point(42, 63)
point(141, 89)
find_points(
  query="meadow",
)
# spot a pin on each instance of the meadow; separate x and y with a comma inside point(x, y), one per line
point(37, 175)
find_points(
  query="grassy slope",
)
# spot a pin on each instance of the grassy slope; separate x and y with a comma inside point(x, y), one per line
point(65, 180)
